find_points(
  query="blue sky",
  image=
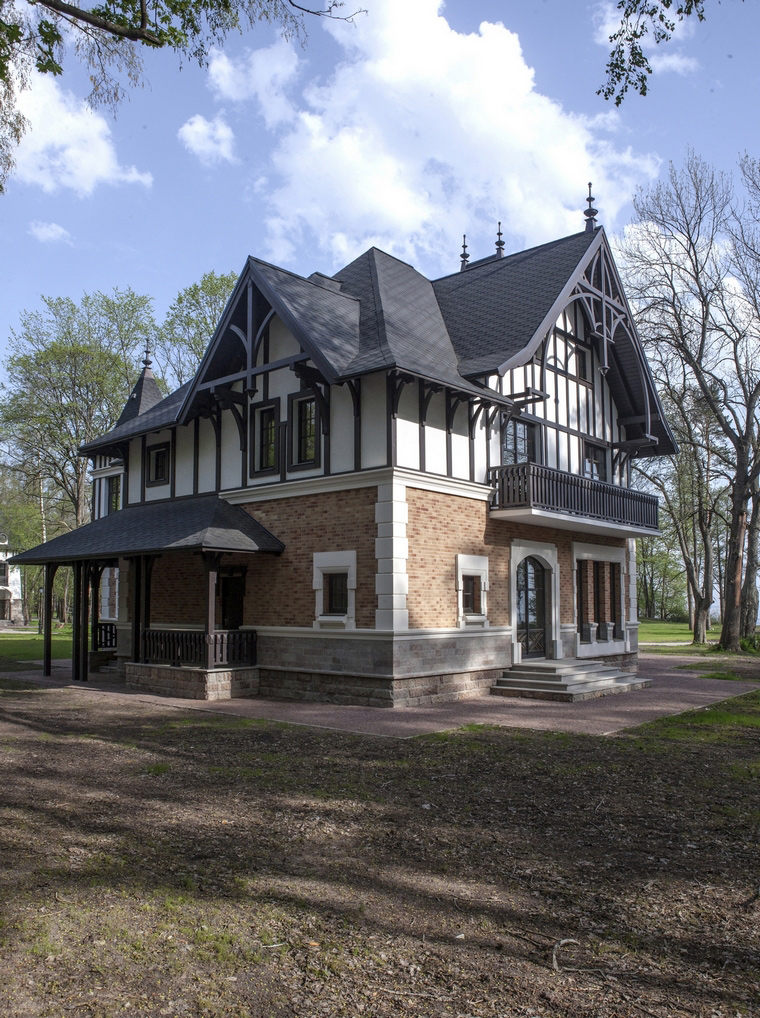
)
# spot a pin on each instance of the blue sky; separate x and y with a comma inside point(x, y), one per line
point(419, 123)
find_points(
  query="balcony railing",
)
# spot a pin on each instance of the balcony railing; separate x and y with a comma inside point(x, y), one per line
point(532, 486)
point(230, 648)
point(105, 636)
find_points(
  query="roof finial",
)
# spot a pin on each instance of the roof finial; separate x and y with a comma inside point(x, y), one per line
point(464, 256)
point(499, 243)
point(147, 361)
point(590, 212)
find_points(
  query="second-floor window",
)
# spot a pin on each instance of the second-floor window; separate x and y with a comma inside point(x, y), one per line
point(303, 423)
point(4, 574)
point(113, 494)
point(595, 462)
point(267, 439)
point(157, 464)
point(518, 443)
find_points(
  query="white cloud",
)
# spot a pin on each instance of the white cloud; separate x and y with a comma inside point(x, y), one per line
point(675, 62)
point(263, 75)
point(49, 233)
point(213, 141)
point(423, 133)
point(68, 145)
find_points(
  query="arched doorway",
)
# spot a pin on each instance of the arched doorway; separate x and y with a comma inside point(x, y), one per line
point(532, 607)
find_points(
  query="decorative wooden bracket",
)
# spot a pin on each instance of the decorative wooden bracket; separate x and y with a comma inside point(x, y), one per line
point(316, 384)
point(427, 391)
point(355, 388)
point(454, 403)
point(398, 380)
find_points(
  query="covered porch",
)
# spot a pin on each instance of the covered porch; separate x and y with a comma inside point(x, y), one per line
point(189, 539)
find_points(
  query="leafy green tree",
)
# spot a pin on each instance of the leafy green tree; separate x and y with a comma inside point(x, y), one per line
point(71, 371)
point(109, 38)
point(189, 325)
point(641, 20)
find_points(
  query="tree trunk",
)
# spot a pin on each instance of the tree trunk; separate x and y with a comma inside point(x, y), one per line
point(749, 597)
point(730, 635)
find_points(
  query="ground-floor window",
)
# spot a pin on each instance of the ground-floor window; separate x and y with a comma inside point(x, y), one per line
point(335, 589)
point(472, 590)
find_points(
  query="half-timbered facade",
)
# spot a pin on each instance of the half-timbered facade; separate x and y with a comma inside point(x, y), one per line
point(379, 488)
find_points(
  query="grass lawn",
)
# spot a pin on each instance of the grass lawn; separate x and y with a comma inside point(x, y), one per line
point(156, 861)
point(28, 646)
point(667, 632)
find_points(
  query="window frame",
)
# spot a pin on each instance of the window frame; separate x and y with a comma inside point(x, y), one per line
point(330, 563)
point(295, 401)
point(113, 481)
point(256, 435)
point(151, 452)
point(472, 567)
point(531, 441)
point(595, 447)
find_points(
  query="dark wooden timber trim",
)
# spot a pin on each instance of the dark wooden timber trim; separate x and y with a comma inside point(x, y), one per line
point(173, 463)
point(217, 419)
point(196, 453)
point(143, 466)
point(355, 388)
point(47, 639)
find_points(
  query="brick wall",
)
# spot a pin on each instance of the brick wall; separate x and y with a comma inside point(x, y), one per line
point(442, 526)
point(279, 589)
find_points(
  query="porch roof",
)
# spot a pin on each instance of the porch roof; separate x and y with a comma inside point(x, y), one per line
point(200, 523)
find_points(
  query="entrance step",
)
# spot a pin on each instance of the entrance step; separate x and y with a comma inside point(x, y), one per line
point(567, 680)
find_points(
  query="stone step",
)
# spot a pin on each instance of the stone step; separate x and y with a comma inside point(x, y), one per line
point(566, 680)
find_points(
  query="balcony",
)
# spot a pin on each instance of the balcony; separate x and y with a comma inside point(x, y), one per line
point(542, 496)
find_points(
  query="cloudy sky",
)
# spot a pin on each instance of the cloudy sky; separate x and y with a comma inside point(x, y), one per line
point(418, 123)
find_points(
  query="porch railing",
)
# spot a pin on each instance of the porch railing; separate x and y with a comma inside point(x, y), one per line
point(230, 648)
point(105, 636)
point(530, 485)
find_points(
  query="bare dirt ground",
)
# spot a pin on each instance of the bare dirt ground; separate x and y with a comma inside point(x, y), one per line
point(162, 862)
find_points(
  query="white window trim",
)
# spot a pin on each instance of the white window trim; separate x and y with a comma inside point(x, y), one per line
point(334, 562)
point(472, 565)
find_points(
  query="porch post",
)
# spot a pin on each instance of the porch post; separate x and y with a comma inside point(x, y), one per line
point(76, 628)
point(85, 598)
point(135, 583)
point(95, 574)
point(47, 637)
point(211, 567)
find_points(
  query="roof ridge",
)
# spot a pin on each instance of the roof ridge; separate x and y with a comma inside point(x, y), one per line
point(493, 260)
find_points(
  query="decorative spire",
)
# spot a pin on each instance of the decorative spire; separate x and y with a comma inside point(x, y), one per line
point(464, 256)
point(147, 361)
point(499, 243)
point(590, 212)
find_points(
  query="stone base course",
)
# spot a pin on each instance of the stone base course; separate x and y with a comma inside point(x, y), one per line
point(193, 683)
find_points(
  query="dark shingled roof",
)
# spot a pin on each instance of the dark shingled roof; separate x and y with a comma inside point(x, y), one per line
point(162, 415)
point(205, 522)
point(144, 396)
point(493, 309)
point(401, 323)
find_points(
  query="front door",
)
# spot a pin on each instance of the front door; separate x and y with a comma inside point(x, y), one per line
point(531, 607)
point(233, 595)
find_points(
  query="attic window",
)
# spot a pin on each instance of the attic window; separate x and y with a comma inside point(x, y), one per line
point(157, 464)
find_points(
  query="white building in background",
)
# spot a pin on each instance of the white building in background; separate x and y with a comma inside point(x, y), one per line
point(10, 585)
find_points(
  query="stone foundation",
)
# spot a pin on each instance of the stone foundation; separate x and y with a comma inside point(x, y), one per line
point(193, 683)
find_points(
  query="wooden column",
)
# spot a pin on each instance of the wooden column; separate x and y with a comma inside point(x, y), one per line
point(96, 573)
point(135, 584)
point(47, 638)
point(85, 608)
point(76, 629)
point(211, 569)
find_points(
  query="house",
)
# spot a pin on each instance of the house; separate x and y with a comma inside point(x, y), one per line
point(380, 488)
point(11, 608)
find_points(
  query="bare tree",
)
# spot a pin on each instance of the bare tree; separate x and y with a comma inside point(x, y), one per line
point(694, 276)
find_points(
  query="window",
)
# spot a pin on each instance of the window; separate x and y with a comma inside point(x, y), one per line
point(113, 494)
point(304, 429)
point(518, 444)
point(157, 464)
point(4, 574)
point(267, 439)
point(472, 588)
point(337, 594)
point(595, 462)
point(471, 595)
point(307, 431)
point(335, 589)
point(581, 364)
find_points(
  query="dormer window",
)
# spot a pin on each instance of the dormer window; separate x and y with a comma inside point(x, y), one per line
point(157, 464)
